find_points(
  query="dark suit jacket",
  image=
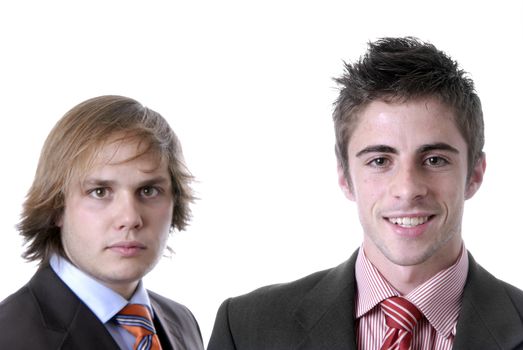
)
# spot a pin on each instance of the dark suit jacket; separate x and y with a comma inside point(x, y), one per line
point(317, 312)
point(46, 314)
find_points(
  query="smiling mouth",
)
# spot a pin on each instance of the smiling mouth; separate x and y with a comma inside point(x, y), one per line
point(409, 222)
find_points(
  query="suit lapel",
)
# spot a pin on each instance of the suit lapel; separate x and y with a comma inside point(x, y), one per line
point(65, 317)
point(169, 326)
point(327, 311)
point(87, 332)
point(487, 319)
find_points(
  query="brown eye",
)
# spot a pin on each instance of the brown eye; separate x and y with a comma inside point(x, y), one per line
point(436, 161)
point(99, 192)
point(379, 162)
point(149, 191)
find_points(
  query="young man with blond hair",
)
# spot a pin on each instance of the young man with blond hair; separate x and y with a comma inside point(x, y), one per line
point(110, 185)
point(409, 144)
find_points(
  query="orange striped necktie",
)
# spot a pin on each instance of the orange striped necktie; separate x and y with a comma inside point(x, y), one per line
point(401, 316)
point(137, 320)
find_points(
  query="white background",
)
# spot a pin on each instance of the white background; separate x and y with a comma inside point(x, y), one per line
point(247, 87)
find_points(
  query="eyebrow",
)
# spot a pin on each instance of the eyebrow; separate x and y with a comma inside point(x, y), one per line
point(438, 146)
point(109, 183)
point(377, 149)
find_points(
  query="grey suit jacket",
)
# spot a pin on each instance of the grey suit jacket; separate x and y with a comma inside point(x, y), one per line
point(317, 312)
point(46, 314)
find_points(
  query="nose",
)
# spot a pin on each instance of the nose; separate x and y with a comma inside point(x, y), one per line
point(408, 183)
point(127, 213)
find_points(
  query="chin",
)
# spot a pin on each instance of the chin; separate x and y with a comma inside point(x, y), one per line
point(402, 261)
point(411, 258)
point(129, 275)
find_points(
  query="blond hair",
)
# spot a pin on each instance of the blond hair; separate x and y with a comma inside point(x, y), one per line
point(69, 151)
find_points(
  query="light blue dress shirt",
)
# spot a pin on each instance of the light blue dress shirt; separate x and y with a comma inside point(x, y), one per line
point(103, 301)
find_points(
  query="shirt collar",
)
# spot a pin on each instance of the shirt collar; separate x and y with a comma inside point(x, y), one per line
point(439, 298)
point(103, 301)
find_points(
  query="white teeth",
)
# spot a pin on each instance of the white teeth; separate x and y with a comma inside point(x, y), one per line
point(409, 222)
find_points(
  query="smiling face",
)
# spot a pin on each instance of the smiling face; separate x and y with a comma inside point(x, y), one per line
point(116, 220)
point(408, 177)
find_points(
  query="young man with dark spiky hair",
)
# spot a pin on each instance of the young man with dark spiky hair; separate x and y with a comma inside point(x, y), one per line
point(409, 144)
point(110, 185)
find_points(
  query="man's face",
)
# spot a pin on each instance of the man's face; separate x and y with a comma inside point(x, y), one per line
point(408, 173)
point(116, 222)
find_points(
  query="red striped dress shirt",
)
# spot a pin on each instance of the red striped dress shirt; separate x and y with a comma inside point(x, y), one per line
point(439, 299)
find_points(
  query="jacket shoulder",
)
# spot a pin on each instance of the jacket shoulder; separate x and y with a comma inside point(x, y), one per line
point(280, 316)
point(516, 296)
point(170, 306)
point(20, 312)
point(263, 318)
point(484, 282)
point(281, 296)
point(280, 301)
point(178, 320)
point(491, 312)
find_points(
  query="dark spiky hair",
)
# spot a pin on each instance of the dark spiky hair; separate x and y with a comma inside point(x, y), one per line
point(402, 69)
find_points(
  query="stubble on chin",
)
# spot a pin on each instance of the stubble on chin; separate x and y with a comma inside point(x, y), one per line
point(412, 254)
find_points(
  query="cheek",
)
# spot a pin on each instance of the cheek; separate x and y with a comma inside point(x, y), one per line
point(73, 240)
point(369, 196)
point(161, 216)
point(455, 201)
point(368, 190)
point(85, 220)
point(82, 223)
point(450, 190)
point(452, 199)
point(169, 211)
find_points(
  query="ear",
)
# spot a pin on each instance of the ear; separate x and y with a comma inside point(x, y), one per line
point(476, 177)
point(59, 221)
point(346, 188)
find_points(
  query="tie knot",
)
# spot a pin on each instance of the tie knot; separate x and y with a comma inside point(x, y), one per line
point(136, 319)
point(400, 313)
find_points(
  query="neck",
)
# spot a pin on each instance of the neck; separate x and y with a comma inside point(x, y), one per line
point(405, 278)
point(125, 290)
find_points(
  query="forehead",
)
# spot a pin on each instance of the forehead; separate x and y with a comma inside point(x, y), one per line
point(119, 150)
point(409, 123)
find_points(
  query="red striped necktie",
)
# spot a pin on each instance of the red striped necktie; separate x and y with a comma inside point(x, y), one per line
point(137, 320)
point(401, 317)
